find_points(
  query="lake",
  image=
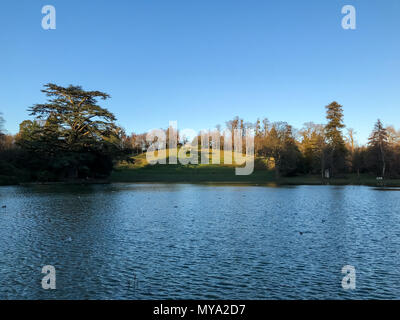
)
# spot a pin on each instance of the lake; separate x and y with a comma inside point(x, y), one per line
point(185, 241)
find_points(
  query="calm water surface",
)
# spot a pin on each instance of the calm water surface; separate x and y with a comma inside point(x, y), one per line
point(156, 241)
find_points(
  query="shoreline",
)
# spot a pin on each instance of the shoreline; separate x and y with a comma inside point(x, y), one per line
point(295, 181)
point(209, 175)
point(225, 175)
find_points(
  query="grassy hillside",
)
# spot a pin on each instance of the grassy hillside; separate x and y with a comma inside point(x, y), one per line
point(142, 171)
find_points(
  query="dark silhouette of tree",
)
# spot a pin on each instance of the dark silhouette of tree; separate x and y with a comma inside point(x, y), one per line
point(76, 115)
point(379, 146)
point(76, 136)
point(359, 160)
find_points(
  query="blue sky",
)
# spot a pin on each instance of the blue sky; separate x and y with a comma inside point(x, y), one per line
point(202, 62)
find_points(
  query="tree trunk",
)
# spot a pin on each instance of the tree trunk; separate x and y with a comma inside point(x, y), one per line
point(383, 160)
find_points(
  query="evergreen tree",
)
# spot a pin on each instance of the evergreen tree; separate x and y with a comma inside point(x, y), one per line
point(72, 136)
point(336, 148)
point(379, 146)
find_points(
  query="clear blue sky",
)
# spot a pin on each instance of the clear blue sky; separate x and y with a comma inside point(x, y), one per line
point(202, 62)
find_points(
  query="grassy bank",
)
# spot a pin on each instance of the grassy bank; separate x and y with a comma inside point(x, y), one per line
point(141, 171)
point(201, 174)
point(191, 173)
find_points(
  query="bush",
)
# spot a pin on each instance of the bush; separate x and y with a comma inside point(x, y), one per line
point(8, 180)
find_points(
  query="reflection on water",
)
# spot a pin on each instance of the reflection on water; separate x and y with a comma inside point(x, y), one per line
point(156, 241)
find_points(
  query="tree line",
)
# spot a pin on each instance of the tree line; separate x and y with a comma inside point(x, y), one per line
point(325, 149)
point(73, 137)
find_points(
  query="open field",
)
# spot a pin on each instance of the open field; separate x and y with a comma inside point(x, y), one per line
point(141, 171)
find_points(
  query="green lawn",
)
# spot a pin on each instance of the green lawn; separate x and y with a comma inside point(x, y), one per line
point(219, 174)
point(141, 171)
point(189, 173)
